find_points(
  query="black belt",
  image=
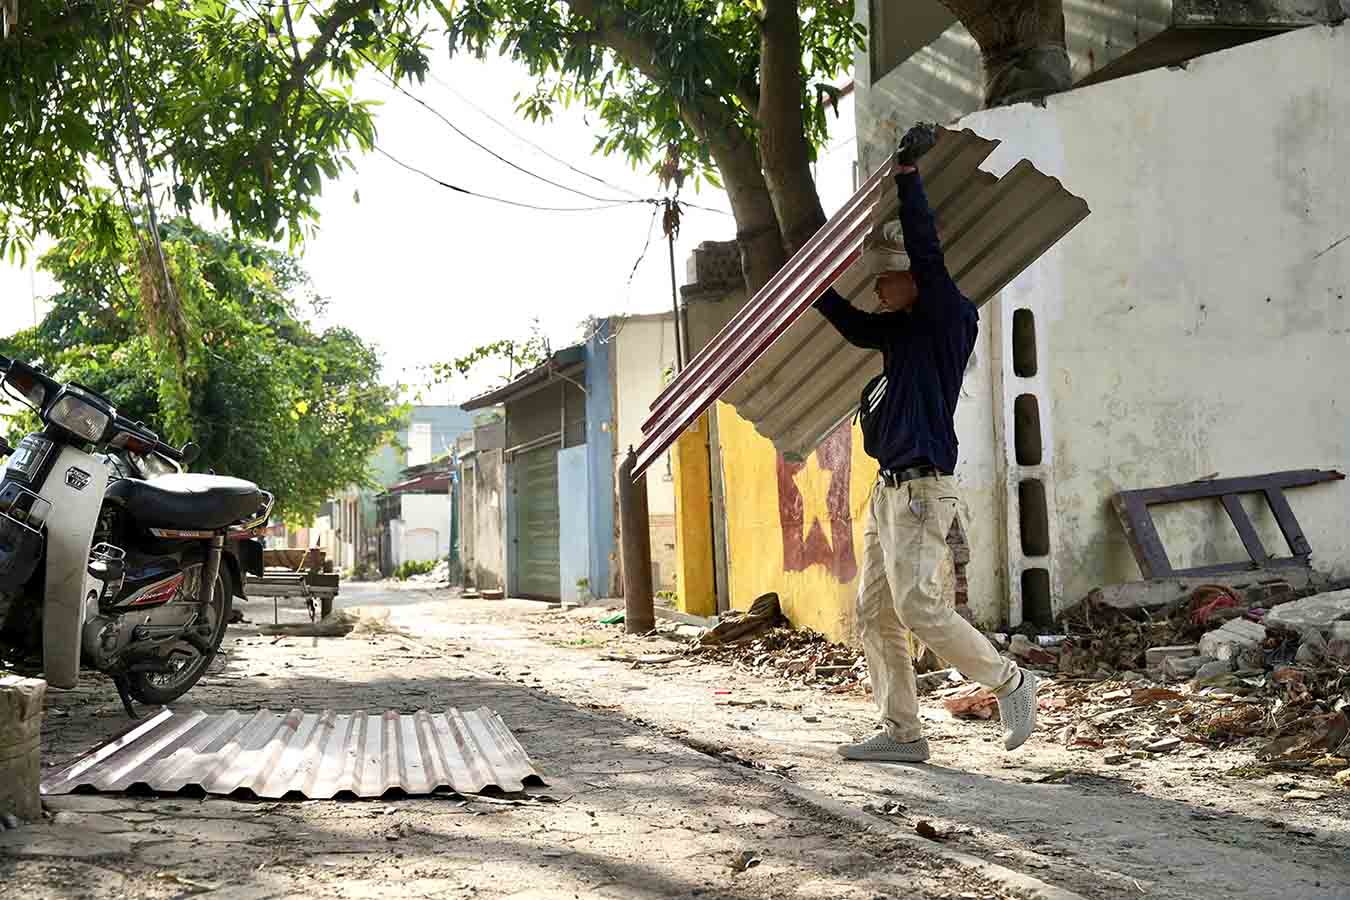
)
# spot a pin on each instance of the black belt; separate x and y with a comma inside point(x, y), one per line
point(897, 477)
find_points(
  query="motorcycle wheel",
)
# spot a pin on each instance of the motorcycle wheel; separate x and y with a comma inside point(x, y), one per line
point(189, 665)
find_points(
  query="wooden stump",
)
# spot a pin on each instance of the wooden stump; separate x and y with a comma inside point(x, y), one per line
point(20, 728)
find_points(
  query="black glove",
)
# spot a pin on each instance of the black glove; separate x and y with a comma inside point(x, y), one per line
point(917, 141)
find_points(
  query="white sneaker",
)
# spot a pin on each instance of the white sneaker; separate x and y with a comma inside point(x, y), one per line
point(884, 748)
point(1017, 710)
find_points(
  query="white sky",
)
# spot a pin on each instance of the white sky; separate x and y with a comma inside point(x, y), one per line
point(426, 274)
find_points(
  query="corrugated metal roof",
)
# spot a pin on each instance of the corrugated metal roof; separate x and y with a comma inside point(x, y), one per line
point(317, 755)
point(786, 370)
point(566, 358)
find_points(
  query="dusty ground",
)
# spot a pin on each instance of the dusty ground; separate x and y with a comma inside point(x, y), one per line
point(637, 813)
point(1196, 824)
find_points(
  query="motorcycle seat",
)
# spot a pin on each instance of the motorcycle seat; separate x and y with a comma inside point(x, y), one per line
point(190, 502)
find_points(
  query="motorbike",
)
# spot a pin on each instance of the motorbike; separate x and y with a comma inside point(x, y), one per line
point(111, 556)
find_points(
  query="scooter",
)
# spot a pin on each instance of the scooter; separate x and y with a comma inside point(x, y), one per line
point(110, 555)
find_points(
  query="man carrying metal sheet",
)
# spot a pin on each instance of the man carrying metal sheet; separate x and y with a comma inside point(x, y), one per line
point(925, 329)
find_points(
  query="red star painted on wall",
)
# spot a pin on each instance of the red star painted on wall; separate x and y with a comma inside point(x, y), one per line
point(805, 543)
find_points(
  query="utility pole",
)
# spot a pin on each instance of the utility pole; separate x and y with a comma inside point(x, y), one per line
point(671, 225)
point(636, 538)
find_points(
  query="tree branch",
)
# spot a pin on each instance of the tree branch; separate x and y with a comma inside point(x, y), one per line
point(290, 29)
point(303, 66)
point(758, 231)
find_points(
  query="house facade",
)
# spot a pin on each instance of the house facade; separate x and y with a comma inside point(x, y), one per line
point(352, 534)
point(557, 426)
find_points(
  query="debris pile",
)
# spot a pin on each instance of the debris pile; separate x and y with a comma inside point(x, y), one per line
point(1261, 667)
point(792, 654)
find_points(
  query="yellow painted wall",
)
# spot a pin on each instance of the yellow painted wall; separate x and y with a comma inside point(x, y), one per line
point(796, 529)
point(694, 586)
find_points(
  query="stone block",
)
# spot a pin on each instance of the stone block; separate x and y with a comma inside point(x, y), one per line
point(1215, 668)
point(1237, 638)
point(1154, 656)
point(1319, 612)
point(21, 702)
point(1179, 667)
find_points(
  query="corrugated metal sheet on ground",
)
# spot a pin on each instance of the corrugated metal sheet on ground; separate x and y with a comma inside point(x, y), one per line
point(317, 755)
point(786, 370)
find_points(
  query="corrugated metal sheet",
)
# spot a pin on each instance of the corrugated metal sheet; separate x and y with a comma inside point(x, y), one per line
point(786, 370)
point(315, 755)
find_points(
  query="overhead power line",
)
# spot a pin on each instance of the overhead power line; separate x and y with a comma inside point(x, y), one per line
point(454, 187)
point(393, 82)
point(524, 140)
point(308, 86)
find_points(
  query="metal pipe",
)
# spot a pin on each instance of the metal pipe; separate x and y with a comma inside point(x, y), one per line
point(636, 539)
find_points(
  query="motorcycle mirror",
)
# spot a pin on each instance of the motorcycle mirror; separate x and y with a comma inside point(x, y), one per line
point(190, 453)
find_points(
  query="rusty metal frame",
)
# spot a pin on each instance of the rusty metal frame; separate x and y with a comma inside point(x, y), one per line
point(1132, 507)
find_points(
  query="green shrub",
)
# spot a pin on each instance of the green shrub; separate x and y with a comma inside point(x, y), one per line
point(413, 567)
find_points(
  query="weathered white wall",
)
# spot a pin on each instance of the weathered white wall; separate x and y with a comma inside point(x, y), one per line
point(423, 513)
point(978, 474)
point(1196, 322)
point(645, 349)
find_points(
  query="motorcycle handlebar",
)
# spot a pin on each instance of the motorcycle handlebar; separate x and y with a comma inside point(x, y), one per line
point(156, 445)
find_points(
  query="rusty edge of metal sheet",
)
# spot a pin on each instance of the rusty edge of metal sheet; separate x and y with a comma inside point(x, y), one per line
point(316, 755)
point(784, 367)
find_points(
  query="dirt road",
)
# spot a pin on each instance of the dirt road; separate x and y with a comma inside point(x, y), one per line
point(1191, 826)
point(631, 812)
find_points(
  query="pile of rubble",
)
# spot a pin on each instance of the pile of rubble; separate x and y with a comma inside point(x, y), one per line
point(1263, 666)
point(792, 654)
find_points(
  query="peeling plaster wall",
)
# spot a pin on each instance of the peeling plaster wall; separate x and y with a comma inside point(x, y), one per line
point(645, 350)
point(1196, 322)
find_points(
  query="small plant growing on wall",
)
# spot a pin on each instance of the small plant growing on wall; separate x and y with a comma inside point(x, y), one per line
point(584, 590)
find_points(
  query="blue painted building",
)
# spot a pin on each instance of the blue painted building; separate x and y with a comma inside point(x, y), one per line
point(559, 459)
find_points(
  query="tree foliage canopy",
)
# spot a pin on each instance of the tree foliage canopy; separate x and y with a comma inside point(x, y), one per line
point(235, 367)
point(244, 106)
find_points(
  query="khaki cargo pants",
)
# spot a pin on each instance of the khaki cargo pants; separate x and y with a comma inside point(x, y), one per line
point(907, 572)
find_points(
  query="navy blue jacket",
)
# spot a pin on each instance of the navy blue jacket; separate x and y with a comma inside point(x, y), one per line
point(925, 350)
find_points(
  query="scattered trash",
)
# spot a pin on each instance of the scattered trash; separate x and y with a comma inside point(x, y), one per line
point(745, 861)
point(893, 808)
point(194, 887)
point(763, 615)
point(972, 701)
point(1342, 777)
point(613, 619)
point(793, 654)
point(926, 829)
point(1022, 648)
point(1166, 745)
point(1304, 795)
point(931, 681)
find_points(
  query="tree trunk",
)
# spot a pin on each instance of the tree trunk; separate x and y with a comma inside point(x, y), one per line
point(757, 230)
point(782, 135)
point(733, 151)
point(1022, 45)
